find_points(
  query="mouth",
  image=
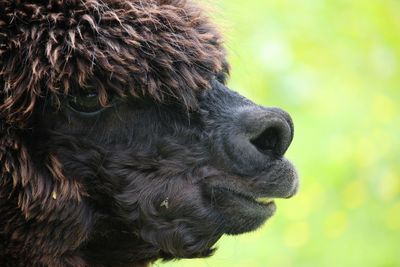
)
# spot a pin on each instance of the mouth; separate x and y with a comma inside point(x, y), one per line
point(263, 201)
point(264, 206)
point(245, 203)
point(280, 180)
point(239, 213)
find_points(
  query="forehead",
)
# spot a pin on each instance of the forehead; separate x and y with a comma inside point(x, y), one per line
point(154, 48)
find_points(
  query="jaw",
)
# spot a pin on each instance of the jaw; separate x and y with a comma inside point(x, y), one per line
point(242, 204)
point(199, 212)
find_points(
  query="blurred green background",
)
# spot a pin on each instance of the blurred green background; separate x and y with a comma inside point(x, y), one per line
point(335, 66)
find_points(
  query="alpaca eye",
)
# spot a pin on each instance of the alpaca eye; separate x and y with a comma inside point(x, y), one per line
point(88, 103)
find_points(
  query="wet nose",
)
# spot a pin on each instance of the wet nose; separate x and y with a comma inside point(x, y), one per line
point(269, 130)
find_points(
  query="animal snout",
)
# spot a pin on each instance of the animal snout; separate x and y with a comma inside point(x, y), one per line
point(257, 136)
point(269, 130)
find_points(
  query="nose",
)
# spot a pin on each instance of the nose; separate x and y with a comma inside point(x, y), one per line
point(269, 130)
point(244, 137)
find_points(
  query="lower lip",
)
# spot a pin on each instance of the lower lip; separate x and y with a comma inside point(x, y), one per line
point(268, 206)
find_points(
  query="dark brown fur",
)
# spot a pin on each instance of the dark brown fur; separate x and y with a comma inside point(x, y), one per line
point(67, 199)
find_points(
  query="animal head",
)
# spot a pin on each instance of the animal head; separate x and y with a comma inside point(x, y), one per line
point(120, 142)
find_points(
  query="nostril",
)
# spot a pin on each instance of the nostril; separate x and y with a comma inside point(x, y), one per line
point(275, 138)
point(267, 141)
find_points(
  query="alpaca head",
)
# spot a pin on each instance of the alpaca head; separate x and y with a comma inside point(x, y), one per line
point(117, 125)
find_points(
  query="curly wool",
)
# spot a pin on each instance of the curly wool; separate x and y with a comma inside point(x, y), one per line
point(163, 49)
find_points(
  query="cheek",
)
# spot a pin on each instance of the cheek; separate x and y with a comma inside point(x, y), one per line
point(162, 196)
point(171, 216)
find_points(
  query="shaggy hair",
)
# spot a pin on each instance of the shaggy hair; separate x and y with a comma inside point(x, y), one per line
point(119, 142)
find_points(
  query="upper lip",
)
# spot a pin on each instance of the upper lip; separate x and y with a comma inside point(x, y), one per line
point(256, 195)
point(280, 181)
